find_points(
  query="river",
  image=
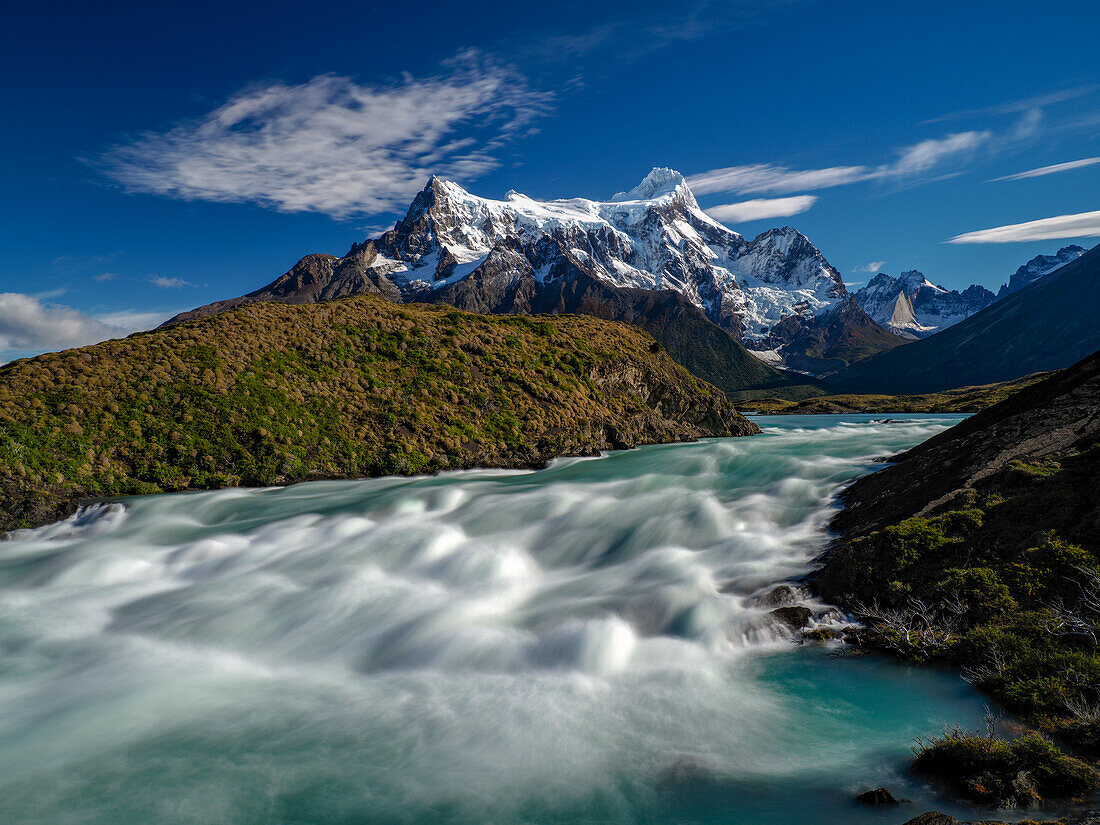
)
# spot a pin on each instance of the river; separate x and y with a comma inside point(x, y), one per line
point(580, 644)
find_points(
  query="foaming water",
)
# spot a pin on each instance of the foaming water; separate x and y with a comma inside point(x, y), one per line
point(578, 644)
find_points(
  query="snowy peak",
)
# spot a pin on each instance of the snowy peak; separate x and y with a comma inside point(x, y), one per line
point(786, 256)
point(1039, 266)
point(652, 237)
point(660, 183)
point(914, 307)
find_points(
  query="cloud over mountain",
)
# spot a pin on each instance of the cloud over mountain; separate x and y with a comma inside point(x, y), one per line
point(332, 145)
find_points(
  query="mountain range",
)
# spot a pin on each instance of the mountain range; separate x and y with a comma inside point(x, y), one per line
point(1048, 324)
point(650, 255)
point(763, 317)
point(914, 307)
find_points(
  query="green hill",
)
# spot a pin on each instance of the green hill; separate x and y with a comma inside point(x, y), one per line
point(273, 393)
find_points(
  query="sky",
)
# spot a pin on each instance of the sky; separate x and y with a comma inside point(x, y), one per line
point(157, 157)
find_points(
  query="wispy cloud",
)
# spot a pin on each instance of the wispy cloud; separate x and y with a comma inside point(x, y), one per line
point(874, 267)
point(634, 35)
point(761, 208)
point(928, 154)
point(1053, 169)
point(912, 161)
point(168, 283)
point(134, 320)
point(765, 177)
point(1081, 225)
point(335, 146)
point(105, 276)
point(1025, 104)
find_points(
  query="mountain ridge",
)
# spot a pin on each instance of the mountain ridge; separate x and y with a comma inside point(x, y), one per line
point(1047, 325)
point(653, 237)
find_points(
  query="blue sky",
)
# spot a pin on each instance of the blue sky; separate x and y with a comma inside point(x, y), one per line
point(157, 157)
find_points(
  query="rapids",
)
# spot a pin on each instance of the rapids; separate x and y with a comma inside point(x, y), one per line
point(577, 644)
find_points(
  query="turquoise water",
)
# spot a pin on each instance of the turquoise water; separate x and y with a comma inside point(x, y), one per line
point(579, 644)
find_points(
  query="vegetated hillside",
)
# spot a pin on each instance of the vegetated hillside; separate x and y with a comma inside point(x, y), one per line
point(273, 393)
point(962, 400)
point(981, 547)
point(1049, 324)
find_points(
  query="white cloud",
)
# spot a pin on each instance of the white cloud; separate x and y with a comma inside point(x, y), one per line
point(1051, 170)
point(28, 324)
point(764, 177)
point(761, 208)
point(874, 267)
point(913, 161)
point(923, 156)
point(1082, 225)
point(105, 276)
point(168, 283)
point(334, 146)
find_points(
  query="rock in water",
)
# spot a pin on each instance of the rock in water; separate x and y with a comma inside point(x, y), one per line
point(933, 818)
point(879, 796)
point(795, 617)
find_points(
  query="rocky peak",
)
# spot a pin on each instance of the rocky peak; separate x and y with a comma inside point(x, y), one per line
point(659, 183)
point(1039, 266)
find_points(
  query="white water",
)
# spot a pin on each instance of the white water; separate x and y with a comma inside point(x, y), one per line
point(577, 644)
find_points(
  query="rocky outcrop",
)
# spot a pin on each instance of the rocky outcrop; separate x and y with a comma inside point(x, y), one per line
point(1059, 415)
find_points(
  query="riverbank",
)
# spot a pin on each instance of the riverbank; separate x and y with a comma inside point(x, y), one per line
point(979, 549)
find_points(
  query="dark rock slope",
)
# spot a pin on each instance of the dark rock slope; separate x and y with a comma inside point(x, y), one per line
point(1049, 324)
point(271, 393)
point(1057, 416)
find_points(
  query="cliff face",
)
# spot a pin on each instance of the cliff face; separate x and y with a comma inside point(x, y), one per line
point(272, 394)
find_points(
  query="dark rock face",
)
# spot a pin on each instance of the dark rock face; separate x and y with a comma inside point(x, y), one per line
point(1059, 414)
point(827, 343)
point(933, 818)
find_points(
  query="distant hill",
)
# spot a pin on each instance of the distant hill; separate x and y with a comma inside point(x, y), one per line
point(961, 400)
point(1048, 324)
point(272, 393)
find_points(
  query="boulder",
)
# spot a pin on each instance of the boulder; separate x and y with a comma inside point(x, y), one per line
point(933, 818)
point(781, 594)
point(879, 796)
point(795, 617)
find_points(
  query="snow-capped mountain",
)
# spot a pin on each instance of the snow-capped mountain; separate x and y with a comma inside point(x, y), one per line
point(1039, 266)
point(526, 255)
point(654, 236)
point(912, 306)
